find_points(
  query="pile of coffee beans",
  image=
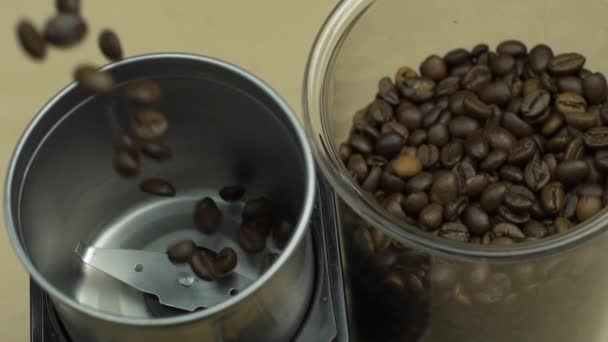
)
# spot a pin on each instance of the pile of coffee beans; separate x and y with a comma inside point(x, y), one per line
point(487, 147)
point(258, 221)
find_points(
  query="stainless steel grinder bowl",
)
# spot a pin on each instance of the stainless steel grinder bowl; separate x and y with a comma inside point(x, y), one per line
point(226, 127)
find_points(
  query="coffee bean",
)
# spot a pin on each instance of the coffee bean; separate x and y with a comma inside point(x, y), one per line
point(552, 124)
point(150, 125)
point(417, 137)
point(391, 183)
point(406, 166)
point(415, 202)
point(257, 208)
point(476, 220)
point(595, 88)
point(361, 143)
point(514, 105)
point(31, 40)
point(582, 121)
point(387, 91)
point(568, 103)
point(522, 151)
point(548, 83)
point(456, 104)
point(438, 135)
point(513, 216)
point(144, 92)
point(535, 229)
point(512, 173)
point(514, 48)
point(516, 125)
point(572, 172)
point(508, 230)
point(410, 116)
point(587, 207)
point(372, 180)
point(596, 137)
point(595, 174)
point(444, 188)
point(403, 74)
point(455, 57)
point(392, 204)
point(380, 111)
point(539, 57)
point(519, 198)
point(395, 127)
point(201, 265)
point(357, 167)
point(530, 86)
point(126, 161)
point(558, 143)
point(552, 197)
point(65, 30)
point(589, 189)
point(418, 89)
point(250, 239)
point(94, 80)
point(570, 84)
point(454, 231)
point(68, 6)
point(207, 216)
point(476, 108)
point(453, 209)
point(601, 160)
point(476, 184)
point(570, 205)
point(476, 145)
point(566, 64)
point(492, 196)
point(420, 183)
point(431, 216)
point(535, 104)
point(562, 225)
point(388, 144)
point(502, 241)
point(225, 262)
point(497, 92)
point(158, 187)
point(499, 138)
point(428, 155)
point(156, 150)
point(575, 149)
point(476, 77)
point(110, 46)
point(502, 64)
point(447, 86)
point(462, 126)
point(434, 68)
point(232, 193)
point(451, 154)
point(181, 251)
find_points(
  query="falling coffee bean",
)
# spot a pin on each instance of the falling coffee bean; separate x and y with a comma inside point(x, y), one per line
point(31, 40)
point(110, 46)
point(225, 262)
point(201, 264)
point(65, 30)
point(588, 206)
point(181, 252)
point(143, 92)
point(156, 150)
point(232, 193)
point(158, 187)
point(207, 216)
point(150, 125)
point(126, 161)
point(97, 81)
point(68, 6)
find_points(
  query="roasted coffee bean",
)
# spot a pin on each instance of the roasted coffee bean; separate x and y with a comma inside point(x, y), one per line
point(181, 251)
point(431, 216)
point(460, 70)
point(150, 125)
point(476, 77)
point(522, 151)
point(595, 174)
point(387, 91)
point(395, 127)
point(570, 84)
point(447, 86)
point(156, 150)
point(601, 160)
point(492, 196)
point(462, 126)
point(207, 216)
point(549, 83)
point(476, 184)
point(568, 103)
point(410, 116)
point(535, 104)
point(570, 205)
point(360, 143)
point(392, 204)
point(582, 121)
point(558, 143)
point(68, 6)
point(589, 189)
point(94, 80)
point(406, 166)
point(453, 209)
point(380, 111)
point(537, 174)
point(418, 89)
point(511, 173)
point(552, 124)
point(595, 88)
point(515, 85)
point(225, 262)
point(415, 202)
point(587, 207)
point(201, 264)
point(257, 208)
point(476, 145)
point(451, 154)
point(566, 64)
point(250, 239)
point(391, 183)
point(417, 137)
point(419, 183)
point(126, 161)
point(65, 30)
point(561, 225)
point(158, 187)
point(508, 230)
point(514, 48)
point(539, 57)
point(403, 74)
point(456, 104)
point(455, 57)
point(497, 92)
point(575, 149)
point(476, 108)
point(454, 231)
point(372, 180)
point(479, 49)
point(514, 104)
point(502, 241)
point(357, 167)
point(530, 86)
point(519, 198)
point(434, 68)
point(502, 64)
point(596, 137)
point(388, 144)
point(109, 44)
point(499, 138)
point(444, 188)
point(143, 92)
point(476, 220)
point(31, 40)
point(535, 229)
point(438, 135)
point(572, 172)
point(232, 193)
point(512, 216)
point(552, 197)
point(516, 125)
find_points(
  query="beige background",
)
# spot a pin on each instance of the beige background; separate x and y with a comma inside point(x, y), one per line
point(271, 38)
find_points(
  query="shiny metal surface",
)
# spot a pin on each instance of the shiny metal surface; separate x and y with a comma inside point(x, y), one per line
point(226, 127)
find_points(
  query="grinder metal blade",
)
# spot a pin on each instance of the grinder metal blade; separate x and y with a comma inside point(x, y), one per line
point(152, 272)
